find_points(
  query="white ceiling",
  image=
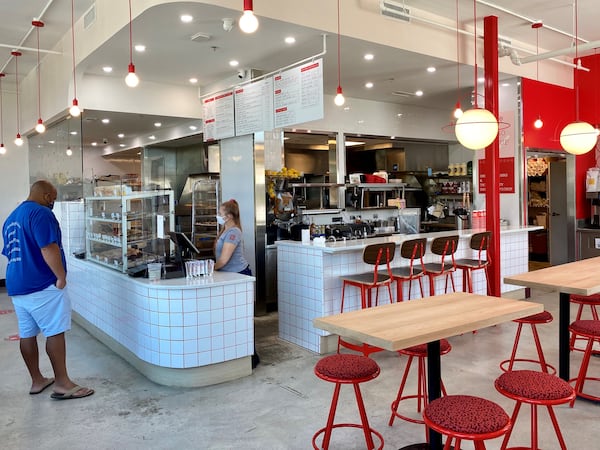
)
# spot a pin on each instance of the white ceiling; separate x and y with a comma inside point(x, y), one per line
point(172, 57)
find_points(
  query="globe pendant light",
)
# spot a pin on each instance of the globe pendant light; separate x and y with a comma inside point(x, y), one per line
point(578, 137)
point(18, 139)
point(74, 109)
point(536, 26)
point(476, 128)
point(2, 147)
point(339, 99)
point(39, 127)
point(131, 79)
point(248, 22)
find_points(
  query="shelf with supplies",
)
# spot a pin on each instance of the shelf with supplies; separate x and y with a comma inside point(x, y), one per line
point(205, 208)
point(375, 195)
point(122, 231)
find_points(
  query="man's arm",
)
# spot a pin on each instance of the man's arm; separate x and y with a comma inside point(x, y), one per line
point(52, 256)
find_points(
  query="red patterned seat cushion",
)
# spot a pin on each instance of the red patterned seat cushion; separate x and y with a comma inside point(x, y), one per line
point(588, 327)
point(543, 317)
point(346, 367)
point(590, 299)
point(530, 384)
point(466, 414)
point(421, 350)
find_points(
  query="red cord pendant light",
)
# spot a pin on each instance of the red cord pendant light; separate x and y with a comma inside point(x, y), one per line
point(18, 139)
point(2, 147)
point(39, 127)
point(74, 110)
point(132, 80)
point(339, 99)
point(248, 22)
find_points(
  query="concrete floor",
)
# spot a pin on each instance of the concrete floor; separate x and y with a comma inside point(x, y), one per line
point(279, 406)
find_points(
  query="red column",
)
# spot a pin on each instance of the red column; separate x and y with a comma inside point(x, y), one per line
point(491, 166)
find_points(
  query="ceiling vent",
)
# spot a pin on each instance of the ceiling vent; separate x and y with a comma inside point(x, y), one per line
point(403, 94)
point(89, 17)
point(395, 10)
point(200, 37)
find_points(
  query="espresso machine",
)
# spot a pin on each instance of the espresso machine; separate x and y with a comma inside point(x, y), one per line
point(595, 213)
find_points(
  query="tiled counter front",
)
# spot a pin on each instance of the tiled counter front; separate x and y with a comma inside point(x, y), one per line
point(176, 332)
point(309, 284)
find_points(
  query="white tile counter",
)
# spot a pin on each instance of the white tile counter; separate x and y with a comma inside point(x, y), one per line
point(176, 332)
point(309, 284)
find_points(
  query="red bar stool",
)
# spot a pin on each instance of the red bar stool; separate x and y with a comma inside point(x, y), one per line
point(375, 255)
point(533, 320)
point(414, 250)
point(420, 352)
point(592, 301)
point(464, 417)
point(590, 331)
point(535, 389)
point(444, 247)
point(347, 369)
point(479, 242)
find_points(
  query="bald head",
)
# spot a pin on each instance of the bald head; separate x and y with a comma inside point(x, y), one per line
point(43, 192)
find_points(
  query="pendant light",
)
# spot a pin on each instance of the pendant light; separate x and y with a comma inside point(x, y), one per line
point(39, 127)
point(2, 147)
point(248, 22)
point(457, 108)
point(74, 110)
point(476, 128)
point(18, 139)
point(578, 137)
point(339, 99)
point(536, 26)
point(131, 79)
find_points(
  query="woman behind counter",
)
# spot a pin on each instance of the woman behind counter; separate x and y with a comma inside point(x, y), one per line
point(229, 247)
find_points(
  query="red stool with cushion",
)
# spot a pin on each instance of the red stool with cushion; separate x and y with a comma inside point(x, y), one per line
point(589, 330)
point(347, 369)
point(533, 320)
point(464, 417)
point(536, 389)
point(592, 301)
point(420, 352)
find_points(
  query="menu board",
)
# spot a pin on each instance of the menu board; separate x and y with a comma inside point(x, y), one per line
point(506, 176)
point(299, 94)
point(254, 107)
point(218, 114)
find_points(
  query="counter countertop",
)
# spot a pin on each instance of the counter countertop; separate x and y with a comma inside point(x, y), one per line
point(217, 279)
point(359, 244)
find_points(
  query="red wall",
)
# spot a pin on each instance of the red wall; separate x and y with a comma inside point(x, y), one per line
point(556, 106)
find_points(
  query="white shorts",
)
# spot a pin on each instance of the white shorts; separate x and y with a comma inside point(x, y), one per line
point(48, 311)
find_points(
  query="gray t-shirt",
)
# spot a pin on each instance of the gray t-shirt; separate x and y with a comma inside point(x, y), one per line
point(237, 262)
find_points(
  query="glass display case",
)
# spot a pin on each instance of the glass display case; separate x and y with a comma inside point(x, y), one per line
point(124, 231)
point(205, 207)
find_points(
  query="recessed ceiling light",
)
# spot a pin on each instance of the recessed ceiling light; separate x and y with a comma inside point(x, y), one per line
point(369, 56)
point(234, 63)
point(51, 142)
point(107, 69)
point(94, 144)
point(186, 18)
point(157, 124)
point(152, 137)
point(193, 80)
point(346, 108)
point(290, 40)
point(419, 93)
point(399, 114)
point(73, 133)
point(120, 135)
point(392, 137)
point(121, 145)
point(361, 121)
point(193, 127)
point(480, 79)
point(140, 48)
point(368, 85)
point(105, 121)
point(431, 69)
point(505, 84)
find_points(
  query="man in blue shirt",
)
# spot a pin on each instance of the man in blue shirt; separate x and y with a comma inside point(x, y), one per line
point(36, 276)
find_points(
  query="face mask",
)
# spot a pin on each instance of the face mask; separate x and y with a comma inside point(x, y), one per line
point(220, 220)
point(51, 205)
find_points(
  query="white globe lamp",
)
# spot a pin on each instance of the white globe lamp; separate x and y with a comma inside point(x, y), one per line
point(578, 138)
point(476, 128)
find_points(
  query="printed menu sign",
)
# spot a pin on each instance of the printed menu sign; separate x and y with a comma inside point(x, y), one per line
point(299, 94)
point(506, 176)
point(254, 107)
point(218, 113)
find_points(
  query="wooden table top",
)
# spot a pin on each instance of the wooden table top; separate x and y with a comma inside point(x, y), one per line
point(579, 277)
point(401, 325)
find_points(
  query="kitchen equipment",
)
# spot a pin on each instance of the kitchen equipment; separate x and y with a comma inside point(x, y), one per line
point(462, 218)
point(595, 219)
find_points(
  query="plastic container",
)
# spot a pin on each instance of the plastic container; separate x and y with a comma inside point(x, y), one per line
point(154, 271)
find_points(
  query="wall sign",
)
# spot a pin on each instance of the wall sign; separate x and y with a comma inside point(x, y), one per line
point(506, 176)
point(254, 107)
point(218, 116)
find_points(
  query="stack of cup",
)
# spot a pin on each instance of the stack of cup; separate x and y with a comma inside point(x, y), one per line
point(199, 268)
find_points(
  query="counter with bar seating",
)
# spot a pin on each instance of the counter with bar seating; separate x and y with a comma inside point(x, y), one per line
point(309, 283)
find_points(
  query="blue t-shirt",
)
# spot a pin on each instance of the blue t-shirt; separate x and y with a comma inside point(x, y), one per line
point(237, 262)
point(28, 229)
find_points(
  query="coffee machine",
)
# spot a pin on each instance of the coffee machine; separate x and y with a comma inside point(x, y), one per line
point(595, 213)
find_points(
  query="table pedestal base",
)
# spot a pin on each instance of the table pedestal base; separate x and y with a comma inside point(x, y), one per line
point(423, 446)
